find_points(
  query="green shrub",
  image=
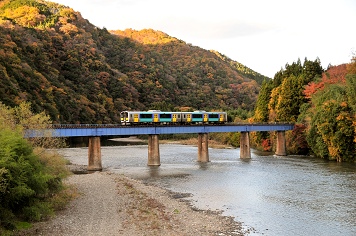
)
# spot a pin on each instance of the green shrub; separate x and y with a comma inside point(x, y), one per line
point(30, 169)
point(25, 177)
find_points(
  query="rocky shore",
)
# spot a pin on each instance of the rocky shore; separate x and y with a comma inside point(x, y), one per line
point(111, 204)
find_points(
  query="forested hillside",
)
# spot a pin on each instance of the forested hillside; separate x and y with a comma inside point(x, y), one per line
point(322, 103)
point(57, 60)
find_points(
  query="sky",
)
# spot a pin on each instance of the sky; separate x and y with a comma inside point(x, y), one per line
point(262, 35)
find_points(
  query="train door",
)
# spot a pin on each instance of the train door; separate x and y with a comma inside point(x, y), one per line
point(205, 117)
point(174, 117)
point(189, 117)
point(135, 117)
point(221, 116)
point(155, 118)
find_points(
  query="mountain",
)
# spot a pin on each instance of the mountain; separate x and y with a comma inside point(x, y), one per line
point(78, 73)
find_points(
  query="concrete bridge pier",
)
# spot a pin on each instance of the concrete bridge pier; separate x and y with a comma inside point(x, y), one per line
point(94, 162)
point(245, 151)
point(203, 153)
point(281, 144)
point(153, 150)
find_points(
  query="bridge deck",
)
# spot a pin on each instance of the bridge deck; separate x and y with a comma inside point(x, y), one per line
point(107, 130)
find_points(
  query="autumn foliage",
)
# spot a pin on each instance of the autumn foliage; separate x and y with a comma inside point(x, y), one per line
point(335, 74)
point(78, 73)
point(322, 103)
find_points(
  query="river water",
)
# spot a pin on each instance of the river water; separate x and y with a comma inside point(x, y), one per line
point(271, 195)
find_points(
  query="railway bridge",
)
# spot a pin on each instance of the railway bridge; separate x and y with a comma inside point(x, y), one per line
point(94, 132)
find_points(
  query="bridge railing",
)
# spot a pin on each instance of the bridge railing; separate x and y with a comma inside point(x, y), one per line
point(87, 126)
point(71, 126)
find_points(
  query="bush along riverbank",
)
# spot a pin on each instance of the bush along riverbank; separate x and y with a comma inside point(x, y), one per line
point(31, 187)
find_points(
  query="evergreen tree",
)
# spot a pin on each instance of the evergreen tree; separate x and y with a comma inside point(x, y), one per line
point(312, 69)
point(261, 109)
point(285, 100)
point(278, 78)
point(295, 69)
point(289, 99)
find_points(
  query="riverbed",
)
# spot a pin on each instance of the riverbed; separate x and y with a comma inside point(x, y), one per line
point(271, 195)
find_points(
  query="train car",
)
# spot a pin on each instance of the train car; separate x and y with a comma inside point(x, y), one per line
point(203, 117)
point(196, 117)
point(159, 117)
point(217, 117)
point(151, 116)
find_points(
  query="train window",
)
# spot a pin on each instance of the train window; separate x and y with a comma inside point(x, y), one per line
point(143, 116)
point(178, 116)
point(213, 115)
point(184, 116)
point(197, 115)
point(131, 116)
point(169, 116)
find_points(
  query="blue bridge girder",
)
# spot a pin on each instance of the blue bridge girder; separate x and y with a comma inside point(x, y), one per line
point(108, 130)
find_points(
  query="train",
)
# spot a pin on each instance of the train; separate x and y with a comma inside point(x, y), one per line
point(167, 117)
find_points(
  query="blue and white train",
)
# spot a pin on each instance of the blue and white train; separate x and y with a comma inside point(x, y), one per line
point(167, 117)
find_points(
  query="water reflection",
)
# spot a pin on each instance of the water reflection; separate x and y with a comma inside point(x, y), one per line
point(246, 161)
point(276, 195)
point(153, 171)
point(203, 165)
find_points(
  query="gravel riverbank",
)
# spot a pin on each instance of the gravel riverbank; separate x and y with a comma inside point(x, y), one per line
point(112, 204)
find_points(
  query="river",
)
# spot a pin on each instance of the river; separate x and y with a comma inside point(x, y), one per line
point(271, 195)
